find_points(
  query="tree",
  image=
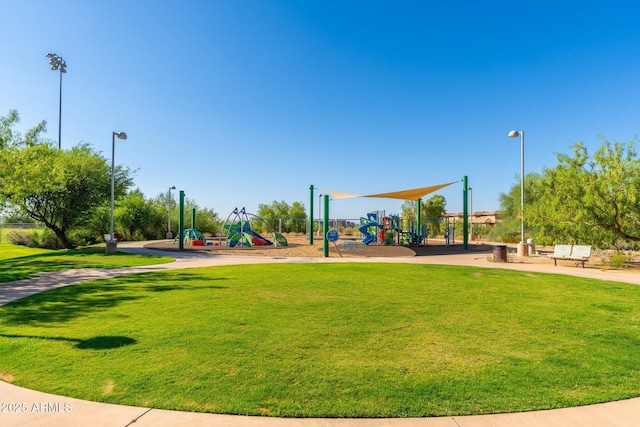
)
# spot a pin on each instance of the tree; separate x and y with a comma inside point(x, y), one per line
point(431, 211)
point(281, 210)
point(138, 218)
point(591, 199)
point(510, 209)
point(58, 188)
point(298, 211)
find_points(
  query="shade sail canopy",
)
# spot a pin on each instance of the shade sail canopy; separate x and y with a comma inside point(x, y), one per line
point(412, 194)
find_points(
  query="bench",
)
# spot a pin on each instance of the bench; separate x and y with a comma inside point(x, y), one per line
point(580, 253)
point(349, 244)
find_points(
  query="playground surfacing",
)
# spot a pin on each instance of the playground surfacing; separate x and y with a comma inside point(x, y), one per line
point(299, 247)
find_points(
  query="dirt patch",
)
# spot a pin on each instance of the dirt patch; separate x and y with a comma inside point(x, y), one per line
point(8, 378)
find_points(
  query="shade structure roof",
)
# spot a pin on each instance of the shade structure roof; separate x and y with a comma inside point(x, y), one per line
point(412, 194)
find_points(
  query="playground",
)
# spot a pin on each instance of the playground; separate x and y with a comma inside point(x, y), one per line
point(298, 246)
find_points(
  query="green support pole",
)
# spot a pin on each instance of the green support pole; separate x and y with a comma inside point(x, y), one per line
point(465, 216)
point(181, 221)
point(311, 216)
point(419, 221)
point(325, 230)
point(193, 218)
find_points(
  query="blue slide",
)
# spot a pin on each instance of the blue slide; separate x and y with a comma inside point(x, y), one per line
point(364, 229)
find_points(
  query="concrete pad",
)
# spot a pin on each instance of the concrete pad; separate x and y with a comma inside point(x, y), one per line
point(33, 408)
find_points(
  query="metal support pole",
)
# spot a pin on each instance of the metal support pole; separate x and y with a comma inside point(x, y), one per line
point(419, 221)
point(325, 224)
point(60, 115)
point(181, 221)
point(311, 216)
point(465, 213)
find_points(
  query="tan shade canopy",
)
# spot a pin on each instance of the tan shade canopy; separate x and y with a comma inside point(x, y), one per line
point(413, 194)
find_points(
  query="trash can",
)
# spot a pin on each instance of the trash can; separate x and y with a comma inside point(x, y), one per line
point(531, 247)
point(500, 253)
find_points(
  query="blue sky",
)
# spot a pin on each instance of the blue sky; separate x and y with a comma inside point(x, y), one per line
point(248, 101)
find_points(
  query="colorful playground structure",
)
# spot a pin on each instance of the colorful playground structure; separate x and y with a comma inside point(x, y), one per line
point(238, 231)
point(378, 228)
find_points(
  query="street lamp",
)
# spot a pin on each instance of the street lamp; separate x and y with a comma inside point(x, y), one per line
point(522, 247)
point(169, 234)
point(112, 244)
point(319, 214)
point(57, 63)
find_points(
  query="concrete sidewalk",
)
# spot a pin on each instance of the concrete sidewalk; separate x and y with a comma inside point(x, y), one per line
point(23, 407)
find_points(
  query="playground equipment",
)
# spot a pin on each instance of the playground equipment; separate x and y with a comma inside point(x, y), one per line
point(368, 227)
point(239, 232)
point(192, 237)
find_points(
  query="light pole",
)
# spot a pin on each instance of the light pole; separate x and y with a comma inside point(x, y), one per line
point(471, 209)
point(169, 234)
point(57, 63)
point(522, 246)
point(319, 215)
point(112, 244)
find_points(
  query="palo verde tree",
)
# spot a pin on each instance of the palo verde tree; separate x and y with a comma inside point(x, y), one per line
point(591, 199)
point(58, 188)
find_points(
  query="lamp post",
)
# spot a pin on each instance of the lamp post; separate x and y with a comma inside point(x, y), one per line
point(57, 63)
point(169, 233)
point(112, 244)
point(471, 215)
point(319, 215)
point(522, 246)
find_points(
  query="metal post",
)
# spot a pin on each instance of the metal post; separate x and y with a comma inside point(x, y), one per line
point(319, 215)
point(419, 221)
point(112, 244)
point(522, 241)
point(113, 186)
point(169, 233)
point(471, 213)
point(60, 115)
point(181, 221)
point(522, 246)
point(193, 218)
point(311, 216)
point(325, 224)
point(465, 212)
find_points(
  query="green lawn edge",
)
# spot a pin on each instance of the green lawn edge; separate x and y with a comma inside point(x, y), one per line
point(330, 340)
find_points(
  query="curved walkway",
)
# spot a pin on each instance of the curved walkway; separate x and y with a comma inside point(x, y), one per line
point(28, 408)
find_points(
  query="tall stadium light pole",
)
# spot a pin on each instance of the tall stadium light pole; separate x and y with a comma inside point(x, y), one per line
point(522, 247)
point(58, 64)
point(112, 244)
point(169, 234)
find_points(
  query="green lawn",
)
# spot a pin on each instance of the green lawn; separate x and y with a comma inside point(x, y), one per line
point(330, 340)
point(19, 262)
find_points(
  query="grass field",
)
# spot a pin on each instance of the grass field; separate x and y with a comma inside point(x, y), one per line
point(19, 262)
point(330, 340)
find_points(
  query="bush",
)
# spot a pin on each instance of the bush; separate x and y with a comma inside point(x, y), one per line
point(42, 238)
point(618, 260)
point(46, 239)
point(22, 238)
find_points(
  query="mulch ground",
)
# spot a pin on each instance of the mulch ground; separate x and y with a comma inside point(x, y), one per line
point(299, 247)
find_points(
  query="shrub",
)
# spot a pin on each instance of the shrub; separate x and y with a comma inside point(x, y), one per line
point(618, 260)
point(22, 238)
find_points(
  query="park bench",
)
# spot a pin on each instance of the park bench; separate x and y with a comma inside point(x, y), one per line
point(349, 243)
point(580, 253)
